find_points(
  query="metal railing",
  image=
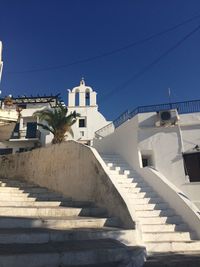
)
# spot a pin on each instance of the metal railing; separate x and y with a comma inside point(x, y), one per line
point(182, 108)
point(22, 135)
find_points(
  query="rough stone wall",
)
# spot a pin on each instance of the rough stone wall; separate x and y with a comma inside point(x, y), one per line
point(71, 169)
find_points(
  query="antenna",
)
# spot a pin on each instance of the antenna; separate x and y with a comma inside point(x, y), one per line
point(169, 96)
point(1, 62)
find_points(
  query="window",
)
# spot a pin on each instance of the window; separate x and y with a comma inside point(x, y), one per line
point(146, 160)
point(82, 133)
point(192, 166)
point(31, 131)
point(82, 123)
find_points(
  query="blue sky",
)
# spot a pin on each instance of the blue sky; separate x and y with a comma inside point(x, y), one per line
point(42, 34)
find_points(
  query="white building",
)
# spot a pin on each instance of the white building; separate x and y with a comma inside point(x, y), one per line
point(160, 138)
point(82, 99)
point(26, 134)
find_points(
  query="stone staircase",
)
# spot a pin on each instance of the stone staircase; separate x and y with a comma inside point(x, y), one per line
point(162, 230)
point(40, 228)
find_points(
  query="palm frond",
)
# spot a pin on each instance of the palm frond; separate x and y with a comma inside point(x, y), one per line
point(58, 121)
point(45, 127)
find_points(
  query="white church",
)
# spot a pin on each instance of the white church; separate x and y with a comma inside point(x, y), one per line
point(28, 135)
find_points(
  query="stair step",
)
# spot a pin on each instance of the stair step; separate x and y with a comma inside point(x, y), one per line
point(146, 200)
point(68, 203)
point(133, 195)
point(58, 223)
point(19, 190)
point(130, 181)
point(154, 228)
point(122, 171)
point(33, 197)
point(66, 253)
point(161, 229)
point(41, 235)
point(10, 182)
point(41, 228)
point(161, 220)
point(32, 194)
point(169, 236)
point(154, 213)
point(173, 246)
point(16, 184)
point(51, 211)
point(145, 207)
point(133, 189)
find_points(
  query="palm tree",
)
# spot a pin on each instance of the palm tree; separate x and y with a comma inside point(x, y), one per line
point(58, 123)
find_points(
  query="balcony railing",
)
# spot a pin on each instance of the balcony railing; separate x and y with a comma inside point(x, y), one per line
point(22, 135)
point(182, 108)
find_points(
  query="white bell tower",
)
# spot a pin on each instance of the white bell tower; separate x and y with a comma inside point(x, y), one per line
point(82, 96)
point(83, 100)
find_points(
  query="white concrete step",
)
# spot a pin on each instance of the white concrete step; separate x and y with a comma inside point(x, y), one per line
point(154, 228)
point(146, 200)
point(143, 207)
point(16, 184)
point(57, 223)
point(76, 253)
point(161, 228)
point(31, 196)
point(122, 177)
point(111, 164)
point(125, 175)
point(50, 211)
point(190, 246)
point(133, 195)
point(133, 189)
point(122, 170)
point(161, 220)
point(46, 197)
point(16, 190)
point(166, 236)
point(154, 213)
point(130, 181)
point(41, 235)
point(66, 203)
point(30, 203)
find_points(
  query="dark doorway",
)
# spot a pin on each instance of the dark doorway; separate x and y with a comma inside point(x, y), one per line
point(31, 130)
point(192, 166)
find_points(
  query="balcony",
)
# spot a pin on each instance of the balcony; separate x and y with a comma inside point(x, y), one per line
point(22, 136)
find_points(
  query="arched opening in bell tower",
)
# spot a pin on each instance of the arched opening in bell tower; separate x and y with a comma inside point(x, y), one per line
point(77, 100)
point(87, 97)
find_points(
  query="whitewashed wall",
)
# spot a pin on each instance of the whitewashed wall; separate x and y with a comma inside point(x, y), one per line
point(165, 145)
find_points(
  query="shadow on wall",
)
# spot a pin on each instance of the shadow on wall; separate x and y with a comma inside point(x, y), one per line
point(71, 169)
